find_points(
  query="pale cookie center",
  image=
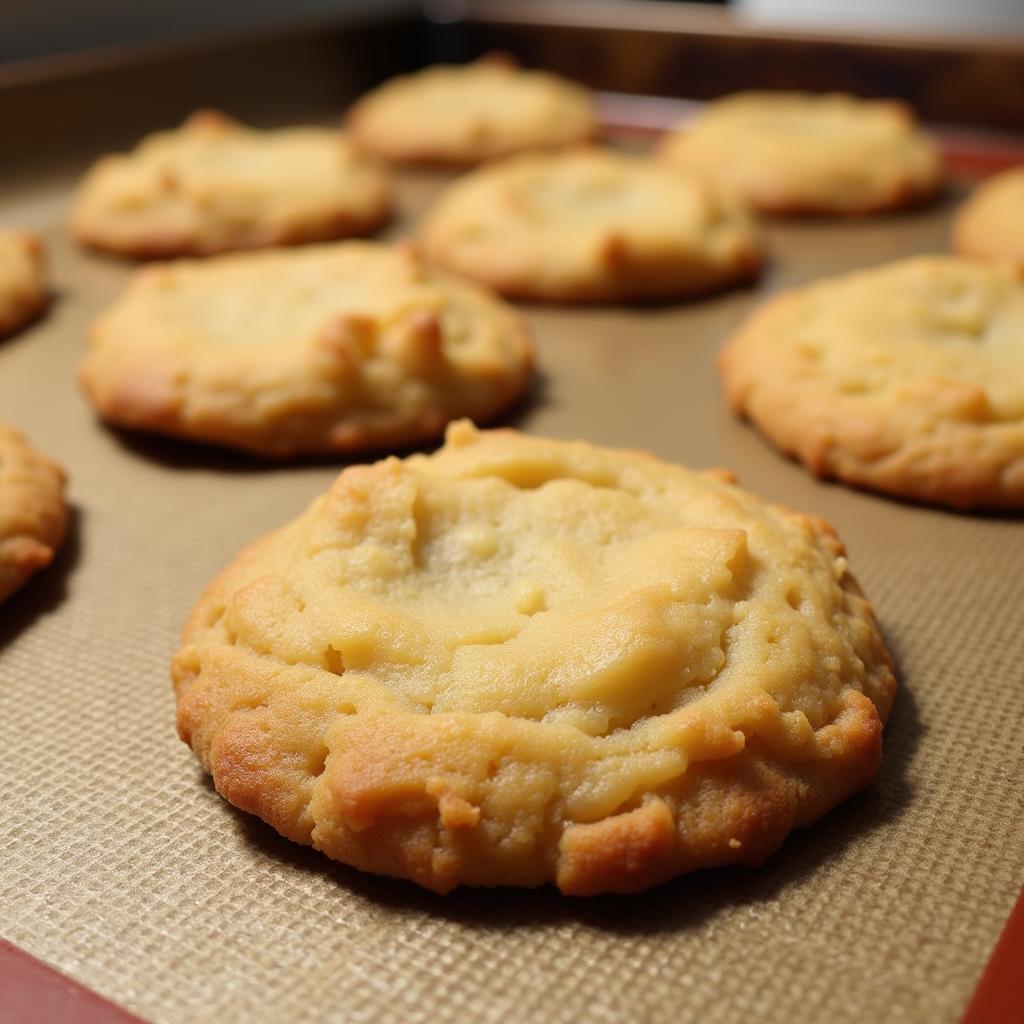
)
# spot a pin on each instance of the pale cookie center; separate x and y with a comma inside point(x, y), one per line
point(293, 304)
point(793, 128)
point(259, 164)
point(487, 103)
point(623, 200)
point(948, 328)
point(562, 602)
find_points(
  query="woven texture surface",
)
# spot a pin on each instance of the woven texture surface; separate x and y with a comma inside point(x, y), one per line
point(120, 865)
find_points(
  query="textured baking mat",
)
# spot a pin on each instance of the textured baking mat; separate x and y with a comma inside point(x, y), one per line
point(121, 866)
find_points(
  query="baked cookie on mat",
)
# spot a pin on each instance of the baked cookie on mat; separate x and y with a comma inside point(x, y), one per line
point(33, 513)
point(22, 279)
point(520, 661)
point(462, 114)
point(591, 225)
point(213, 185)
point(990, 225)
point(792, 152)
point(907, 378)
point(331, 348)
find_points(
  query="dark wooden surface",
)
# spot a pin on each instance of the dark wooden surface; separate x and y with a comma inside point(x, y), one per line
point(700, 52)
point(93, 103)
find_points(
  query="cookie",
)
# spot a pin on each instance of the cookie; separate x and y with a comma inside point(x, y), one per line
point(803, 153)
point(214, 185)
point(22, 279)
point(333, 348)
point(462, 114)
point(906, 378)
point(990, 225)
point(33, 513)
point(520, 661)
point(591, 225)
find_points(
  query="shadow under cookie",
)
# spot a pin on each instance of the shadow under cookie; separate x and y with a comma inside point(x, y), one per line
point(48, 588)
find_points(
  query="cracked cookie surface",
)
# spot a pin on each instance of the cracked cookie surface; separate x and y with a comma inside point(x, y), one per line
point(214, 185)
point(828, 153)
point(907, 378)
point(22, 279)
point(591, 225)
point(342, 347)
point(990, 225)
point(520, 661)
point(33, 513)
point(462, 114)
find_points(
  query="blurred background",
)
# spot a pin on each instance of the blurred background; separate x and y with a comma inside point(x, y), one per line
point(107, 71)
point(45, 28)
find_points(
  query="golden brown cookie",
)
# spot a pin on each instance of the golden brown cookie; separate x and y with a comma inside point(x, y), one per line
point(33, 513)
point(591, 225)
point(906, 378)
point(22, 279)
point(804, 153)
point(520, 661)
point(332, 348)
point(214, 185)
point(459, 114)
point(990, 225)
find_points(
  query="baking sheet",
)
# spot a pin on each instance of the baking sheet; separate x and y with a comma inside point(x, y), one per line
point(120, 865)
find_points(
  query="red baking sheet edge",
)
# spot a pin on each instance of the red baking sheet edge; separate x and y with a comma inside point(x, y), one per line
point(33, 993)
point(999, 997)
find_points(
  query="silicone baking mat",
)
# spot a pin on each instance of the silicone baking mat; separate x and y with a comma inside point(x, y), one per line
point(121, 866)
